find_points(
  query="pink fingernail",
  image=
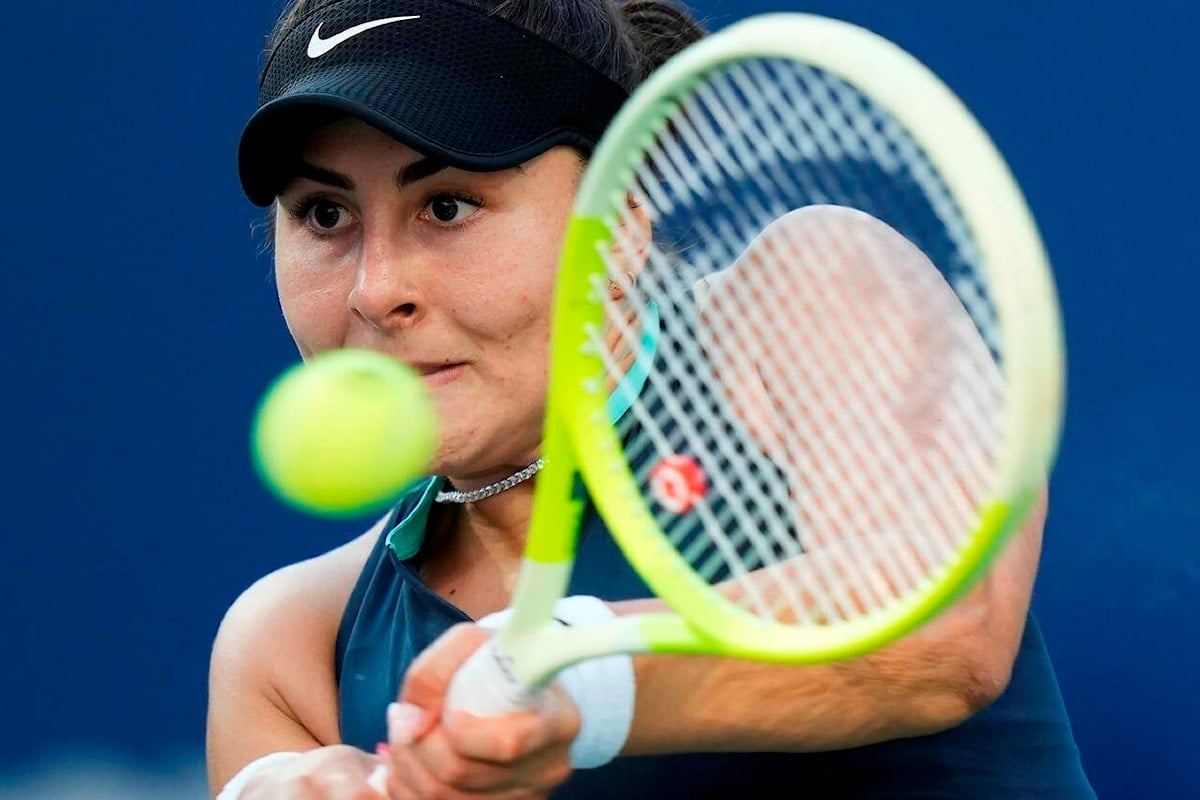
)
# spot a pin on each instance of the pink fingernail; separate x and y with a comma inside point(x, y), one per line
point(403, 720)
point(382, 749)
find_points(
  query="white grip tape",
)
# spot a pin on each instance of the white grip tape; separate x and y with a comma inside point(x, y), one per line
point(602, 688)
point(233, 789)
point(485, 685)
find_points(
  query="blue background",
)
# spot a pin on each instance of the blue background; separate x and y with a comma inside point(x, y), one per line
point(140, 326)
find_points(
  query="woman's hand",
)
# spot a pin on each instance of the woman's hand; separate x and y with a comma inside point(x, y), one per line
point(436, 754)
point(338, 772)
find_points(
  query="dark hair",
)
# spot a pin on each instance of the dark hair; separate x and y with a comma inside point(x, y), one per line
point(626, 41)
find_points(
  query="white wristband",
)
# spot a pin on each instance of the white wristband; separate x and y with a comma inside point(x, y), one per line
point(233, 789)
point(602, 688)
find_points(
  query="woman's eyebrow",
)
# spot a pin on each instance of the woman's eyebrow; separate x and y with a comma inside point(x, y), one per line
point(322, 175)
point(420, 169)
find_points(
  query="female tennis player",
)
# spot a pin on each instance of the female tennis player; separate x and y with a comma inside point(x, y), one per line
point(419, 159)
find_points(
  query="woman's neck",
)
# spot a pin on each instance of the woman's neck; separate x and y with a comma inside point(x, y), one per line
point(473, 551)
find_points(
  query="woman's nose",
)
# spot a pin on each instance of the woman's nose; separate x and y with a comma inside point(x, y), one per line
point(387, 291)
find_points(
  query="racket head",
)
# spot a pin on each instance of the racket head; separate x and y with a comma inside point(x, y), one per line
point(912, 120)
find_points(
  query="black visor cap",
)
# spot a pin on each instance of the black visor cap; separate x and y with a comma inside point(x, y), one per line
point(444, 78)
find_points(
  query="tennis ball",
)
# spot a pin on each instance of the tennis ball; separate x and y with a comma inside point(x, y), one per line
point(344, 433)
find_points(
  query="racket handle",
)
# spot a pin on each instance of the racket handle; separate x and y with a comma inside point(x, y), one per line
point(486, 686)
point(483, 686)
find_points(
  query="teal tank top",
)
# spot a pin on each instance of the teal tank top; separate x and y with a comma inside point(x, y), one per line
point(1020, 747)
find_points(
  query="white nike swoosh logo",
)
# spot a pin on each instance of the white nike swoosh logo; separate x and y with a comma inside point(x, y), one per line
point(318, 47)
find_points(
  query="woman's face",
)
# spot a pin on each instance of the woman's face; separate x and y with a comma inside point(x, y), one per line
point(449, 271)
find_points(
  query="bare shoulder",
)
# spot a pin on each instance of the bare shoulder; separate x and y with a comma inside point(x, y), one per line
point(300, 597)
point(274, 652)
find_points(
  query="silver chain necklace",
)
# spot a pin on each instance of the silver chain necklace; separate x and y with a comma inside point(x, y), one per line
point(475, 495)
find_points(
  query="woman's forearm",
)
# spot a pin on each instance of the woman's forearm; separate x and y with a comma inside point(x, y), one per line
point(931, 680)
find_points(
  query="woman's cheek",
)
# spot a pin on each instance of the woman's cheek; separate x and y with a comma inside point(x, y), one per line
point(315, 313)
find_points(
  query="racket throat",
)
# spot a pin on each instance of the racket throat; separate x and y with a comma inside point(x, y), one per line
point(537, 656)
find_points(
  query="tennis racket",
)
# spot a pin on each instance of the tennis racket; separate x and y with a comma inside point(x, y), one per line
point(850, 392)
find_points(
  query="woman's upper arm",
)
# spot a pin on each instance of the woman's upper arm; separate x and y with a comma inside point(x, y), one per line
point(272, 686)
point(247, 715)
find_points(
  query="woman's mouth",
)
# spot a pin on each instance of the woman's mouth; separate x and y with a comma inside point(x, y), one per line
point(436, 375)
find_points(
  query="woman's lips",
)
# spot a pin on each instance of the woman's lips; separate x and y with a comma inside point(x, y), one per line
point(436, 375)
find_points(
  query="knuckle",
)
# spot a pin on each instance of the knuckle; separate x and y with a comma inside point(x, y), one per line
point(465, 633)
point(557, 773)
point(310, 784)
point(441, 792)
point(419, 683)
point(571, 723)
point(462, 629)
point(506, 751)
point(456, 772)
point(515, 744)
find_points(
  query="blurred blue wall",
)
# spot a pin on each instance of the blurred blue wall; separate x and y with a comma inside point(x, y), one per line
point(140, 326)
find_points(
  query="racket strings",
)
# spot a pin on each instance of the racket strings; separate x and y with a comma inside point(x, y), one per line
point(723, 550)
point(693, 402)
point(748, 548)
point(749, 544)
point(852, 493)
point(838, 396)
point(734, 530)
point(808, 92)
point(802, 457)
point(895, 473)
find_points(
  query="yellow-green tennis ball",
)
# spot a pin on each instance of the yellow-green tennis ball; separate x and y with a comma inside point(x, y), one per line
point(344, 433)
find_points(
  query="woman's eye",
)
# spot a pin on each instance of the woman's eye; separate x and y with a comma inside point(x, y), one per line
point(325, 216)
point(448, 210)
